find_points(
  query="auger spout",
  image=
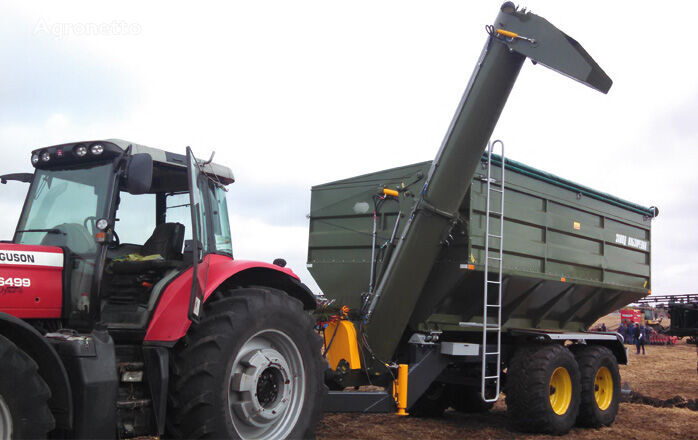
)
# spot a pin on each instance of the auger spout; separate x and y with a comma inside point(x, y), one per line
point(514, 36)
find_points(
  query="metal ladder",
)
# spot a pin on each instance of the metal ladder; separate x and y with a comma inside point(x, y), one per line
point(493, 186)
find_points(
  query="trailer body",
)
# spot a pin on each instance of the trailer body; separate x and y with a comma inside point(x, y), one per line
point(571, 254)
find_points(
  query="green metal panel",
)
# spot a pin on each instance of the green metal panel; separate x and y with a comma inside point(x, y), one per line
point(551, 232)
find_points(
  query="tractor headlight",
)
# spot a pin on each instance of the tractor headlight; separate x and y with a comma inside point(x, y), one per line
point(102, 224)
point(45, 156)
point(80, 151)
point(97, 149)
point(35, 159)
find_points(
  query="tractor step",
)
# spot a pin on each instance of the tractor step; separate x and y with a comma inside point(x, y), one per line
point(133, 404)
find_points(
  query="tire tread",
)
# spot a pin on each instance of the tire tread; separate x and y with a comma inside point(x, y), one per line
point(194, 411)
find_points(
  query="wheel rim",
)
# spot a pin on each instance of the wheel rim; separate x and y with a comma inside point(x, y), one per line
point(5, 420)
point(560, 390)
point(603, 388)
point(266, 386)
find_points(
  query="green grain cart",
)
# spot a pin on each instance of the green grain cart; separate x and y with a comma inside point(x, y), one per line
point(472, 273)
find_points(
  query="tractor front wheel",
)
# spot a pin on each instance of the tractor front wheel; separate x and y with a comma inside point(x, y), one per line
point(250, 369)
point(24, 411)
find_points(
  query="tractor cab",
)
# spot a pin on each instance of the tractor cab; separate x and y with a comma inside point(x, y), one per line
point(121, 259)
point(129, 220)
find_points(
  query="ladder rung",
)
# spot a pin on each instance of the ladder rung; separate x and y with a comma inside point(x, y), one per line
point(478, 324)
point(491, 353)
point(494, 235)
point(495, 213)
point(494, 258)
point(493, 305)
point(493, 282)
point(496, 190)
point(491, 377)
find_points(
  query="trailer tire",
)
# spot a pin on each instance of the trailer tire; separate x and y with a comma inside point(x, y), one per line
point(24, 413)
point(466, 399)
point(252, 368)
point(600, 391)
point(432, 403)
point(543, 389)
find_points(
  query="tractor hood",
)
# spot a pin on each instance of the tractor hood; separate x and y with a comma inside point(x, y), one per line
point(31, 280)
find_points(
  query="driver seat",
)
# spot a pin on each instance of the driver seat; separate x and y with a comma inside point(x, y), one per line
point(166, 241)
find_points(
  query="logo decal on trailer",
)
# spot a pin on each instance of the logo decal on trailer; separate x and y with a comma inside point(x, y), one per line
point(632, 242)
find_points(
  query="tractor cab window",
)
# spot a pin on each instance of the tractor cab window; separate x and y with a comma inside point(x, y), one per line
point(177, 211)
point(147, 255)
point(221, 225)
point(135, 218)
point(62, 209)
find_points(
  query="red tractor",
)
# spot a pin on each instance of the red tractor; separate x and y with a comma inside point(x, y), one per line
point(123, 312)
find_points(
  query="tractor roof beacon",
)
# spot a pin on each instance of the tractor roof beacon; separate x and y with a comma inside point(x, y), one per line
point(120, 294)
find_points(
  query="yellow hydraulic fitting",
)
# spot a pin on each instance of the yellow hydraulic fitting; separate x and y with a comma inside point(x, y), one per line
point(390, 192)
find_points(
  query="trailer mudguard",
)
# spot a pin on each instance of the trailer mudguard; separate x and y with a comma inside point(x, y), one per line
point(51, 368)
point(611, 340)
point(170, 323)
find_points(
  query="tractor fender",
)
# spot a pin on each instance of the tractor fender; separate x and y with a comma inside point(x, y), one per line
point(169, 321)
point(51, 368)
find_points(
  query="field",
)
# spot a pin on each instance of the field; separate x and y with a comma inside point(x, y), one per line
point(662, 374)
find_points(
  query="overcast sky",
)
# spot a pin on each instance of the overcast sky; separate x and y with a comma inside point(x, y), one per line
point(292, 94)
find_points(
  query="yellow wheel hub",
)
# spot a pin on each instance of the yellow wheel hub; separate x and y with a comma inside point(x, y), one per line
point(560, 390)
point(603, 388)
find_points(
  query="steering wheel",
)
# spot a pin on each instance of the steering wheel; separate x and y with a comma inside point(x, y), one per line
point(115, 241)
point(93, 220)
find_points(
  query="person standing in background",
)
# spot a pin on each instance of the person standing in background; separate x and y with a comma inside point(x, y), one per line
point(631, 332)
point(639, 336)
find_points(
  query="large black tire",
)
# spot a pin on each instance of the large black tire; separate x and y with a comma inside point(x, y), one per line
point(592, 360)
point(467, 399)
point(236, 368)
point(432, 403)
point(24, 411)
point(529, 389)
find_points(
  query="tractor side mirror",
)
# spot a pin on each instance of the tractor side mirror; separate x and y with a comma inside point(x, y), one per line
point(139, 174)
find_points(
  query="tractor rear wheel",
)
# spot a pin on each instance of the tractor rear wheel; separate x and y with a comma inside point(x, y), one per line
point(543, 389)
point(252, 368)
point(600, 393)
point(24, 411)
point(467, 399)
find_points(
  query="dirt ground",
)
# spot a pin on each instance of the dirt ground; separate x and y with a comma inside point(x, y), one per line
point(663, 373)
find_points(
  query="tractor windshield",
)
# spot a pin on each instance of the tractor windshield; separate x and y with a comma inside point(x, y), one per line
point(62, 209)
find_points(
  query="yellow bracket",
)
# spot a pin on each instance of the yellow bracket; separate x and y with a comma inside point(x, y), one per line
point(344, 346)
